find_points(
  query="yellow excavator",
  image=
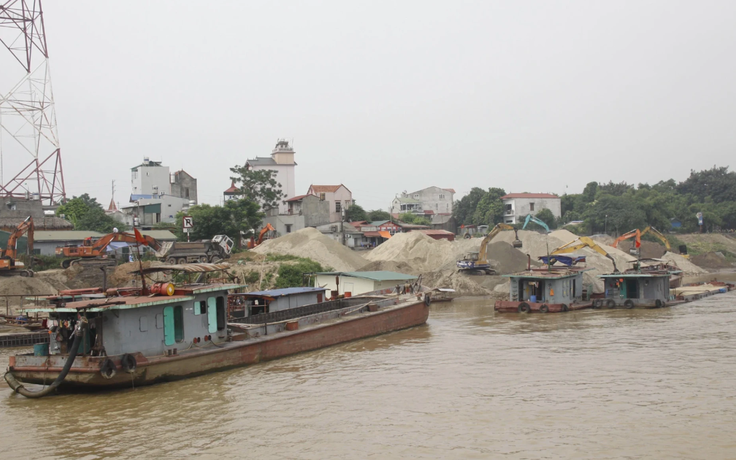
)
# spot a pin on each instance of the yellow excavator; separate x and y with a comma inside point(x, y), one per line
point(477, 262)
point(573, 246)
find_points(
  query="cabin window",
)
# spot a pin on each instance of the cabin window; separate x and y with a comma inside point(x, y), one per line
point(211, 314)
point(173, 324)
point(200, 308)
point(143, 324)
point(221, 318)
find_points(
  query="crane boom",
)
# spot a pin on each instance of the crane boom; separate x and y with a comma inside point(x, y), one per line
point(584, 241)
point(478, 262)
point(530, 218)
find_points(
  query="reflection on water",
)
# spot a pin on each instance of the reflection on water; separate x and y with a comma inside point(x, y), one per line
point(469, 384)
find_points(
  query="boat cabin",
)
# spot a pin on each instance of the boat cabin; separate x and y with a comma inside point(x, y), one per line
point(256, 303)
point(545, 290)
point(169, 319)
point(647, 289)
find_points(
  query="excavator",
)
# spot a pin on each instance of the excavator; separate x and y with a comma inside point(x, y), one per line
point(657, 234)
point(637, 242)
point(95, 251)
point(573, 246)
point(9, 266)
point(477, 262)
point(530, 218)
point(253, 242)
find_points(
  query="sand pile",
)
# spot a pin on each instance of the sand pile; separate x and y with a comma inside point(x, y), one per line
point(20, 285)
point(311, 243)
point(416, 249)
point(683, 264)
point(711, 260)
point(648, 249)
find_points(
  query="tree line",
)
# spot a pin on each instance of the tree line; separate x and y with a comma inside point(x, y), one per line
point(616, 208)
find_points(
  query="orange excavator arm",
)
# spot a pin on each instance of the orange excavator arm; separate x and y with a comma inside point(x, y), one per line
point(25, 227)
point(264, 230)
point(634, 233)
point(99, 246)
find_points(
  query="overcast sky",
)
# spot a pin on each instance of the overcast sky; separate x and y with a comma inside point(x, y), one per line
point(537, 96)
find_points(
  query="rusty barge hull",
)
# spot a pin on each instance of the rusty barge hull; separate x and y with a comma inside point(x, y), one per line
point(508, 306)
point(85, 373)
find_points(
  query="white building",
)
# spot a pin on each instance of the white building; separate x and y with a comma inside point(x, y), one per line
point(431, 200)
point(518, 205)
point(282, 162)
point(356, 283)
point(149, 178)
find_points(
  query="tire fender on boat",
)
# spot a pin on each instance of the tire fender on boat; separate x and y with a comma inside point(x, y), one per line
point(544, 309)
point(427, 299)
point(629, 304)
point(564, 307)
point(611, 303)
point(524, 307)
point(658, 303)
point(107, 368)
point(128, 363)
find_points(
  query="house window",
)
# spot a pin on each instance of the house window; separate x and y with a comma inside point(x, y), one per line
point(288, 228)
point(442, 197)
point(321, 197)
point(531, 206)
point(338, 206)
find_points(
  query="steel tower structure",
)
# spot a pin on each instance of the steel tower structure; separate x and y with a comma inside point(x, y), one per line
point(29, 144)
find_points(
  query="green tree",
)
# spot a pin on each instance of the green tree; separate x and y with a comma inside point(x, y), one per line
point(546, 216)
point(489, 209)
point(464, 209)
point(85, 213)
point(591, 189)
point(236, 216)
point(292, 275)
point(717, 183)
point(413, 219)
point(377, 215)
point(259, 186)
point(355, 213)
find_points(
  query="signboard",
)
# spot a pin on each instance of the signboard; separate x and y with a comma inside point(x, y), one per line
point(187, 222)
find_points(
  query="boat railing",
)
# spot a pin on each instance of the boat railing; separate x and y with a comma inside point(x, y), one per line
point(284, 315)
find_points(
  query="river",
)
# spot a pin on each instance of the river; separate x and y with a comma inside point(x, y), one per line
point(604, 384)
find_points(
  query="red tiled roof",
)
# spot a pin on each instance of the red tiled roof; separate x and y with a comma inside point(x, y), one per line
point(451, 190)
point(232, 189)
point(296, 198)
point(325, 188)
point(529, 195)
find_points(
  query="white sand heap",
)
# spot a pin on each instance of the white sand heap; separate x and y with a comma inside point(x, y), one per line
point(687, 267)
point(311, 243)
point(420, 251)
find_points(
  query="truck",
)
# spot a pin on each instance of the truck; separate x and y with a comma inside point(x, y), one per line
point(216, 249)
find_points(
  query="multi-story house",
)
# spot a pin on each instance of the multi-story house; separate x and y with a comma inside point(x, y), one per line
point(518, 205)
point(338, 196)
point(282, 162)
point(431, 200)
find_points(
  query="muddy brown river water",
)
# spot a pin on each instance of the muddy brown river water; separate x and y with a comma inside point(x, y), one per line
point(610, 384)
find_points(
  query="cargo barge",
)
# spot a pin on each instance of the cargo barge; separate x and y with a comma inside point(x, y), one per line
point(144, 336)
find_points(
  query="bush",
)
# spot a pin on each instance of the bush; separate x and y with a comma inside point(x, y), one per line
point(41, 262)
point(292, 275)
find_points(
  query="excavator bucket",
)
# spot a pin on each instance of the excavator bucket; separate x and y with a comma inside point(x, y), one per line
point(517, 242)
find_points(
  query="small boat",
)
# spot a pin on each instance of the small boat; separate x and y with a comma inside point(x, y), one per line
point(141, 336)
point(442, 294)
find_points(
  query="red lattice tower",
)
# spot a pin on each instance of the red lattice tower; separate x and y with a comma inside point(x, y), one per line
point(29, 142)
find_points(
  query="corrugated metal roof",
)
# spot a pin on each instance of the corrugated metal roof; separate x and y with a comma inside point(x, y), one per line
point(65, 235)
point(262, 161)
point(383, 275)
point(284, 291)
point(529, 195)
